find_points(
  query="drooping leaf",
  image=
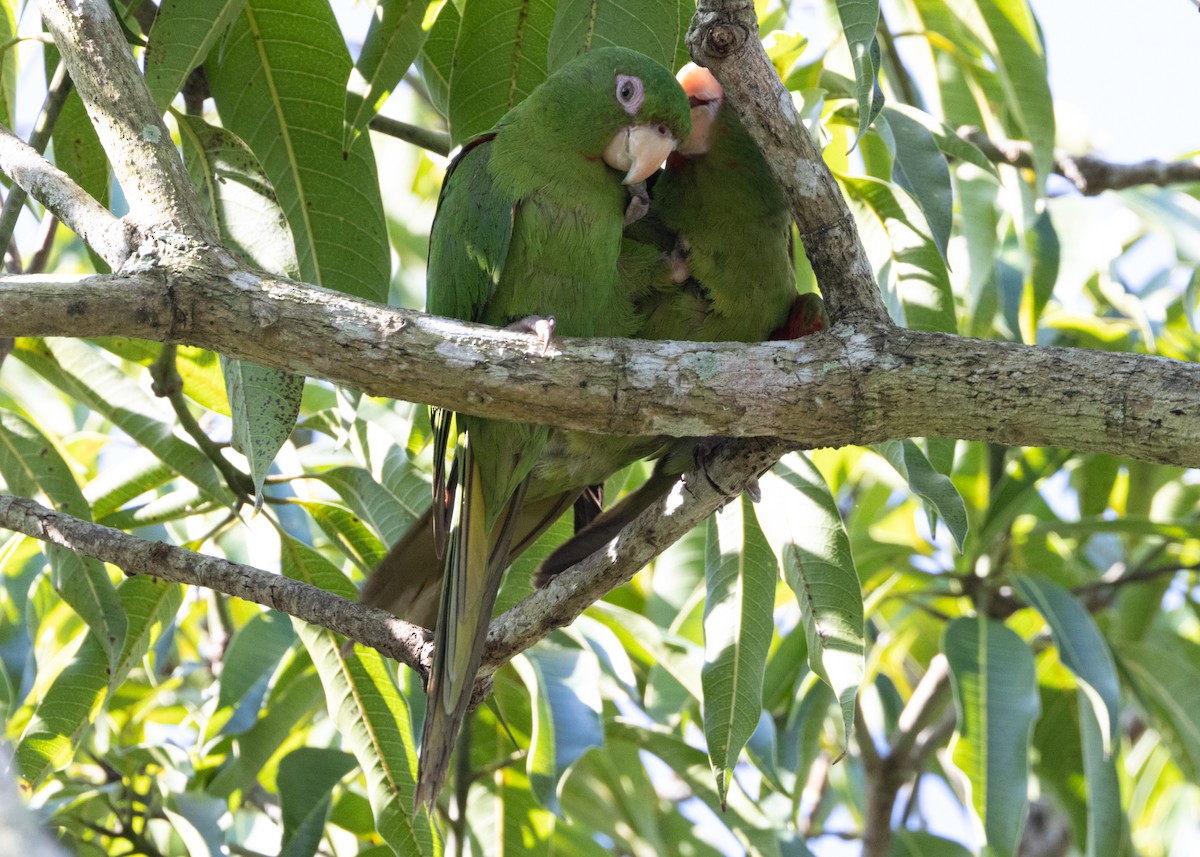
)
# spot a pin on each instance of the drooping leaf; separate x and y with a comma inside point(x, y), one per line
point(1080, 646)
point(1163, 672)
point(500, 57)
point(741, 576)
point(859, 20)
point(938, 494)
point(920, 168)
point(652, 27)
point(398, 29)
point(307, 776)
point(285, 98)
point(995, 695)
point(805, 529)
point(564, 686)
point(183, 34)
point(1107, 824)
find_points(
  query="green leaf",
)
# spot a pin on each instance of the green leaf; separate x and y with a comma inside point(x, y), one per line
point(307, 776)
point(265, 405)
point(437, 57)
point(803, 525)
point(113, 488)
point(368, 711)
point(8, 64)
point(348, 532)
point(1021, 65)
point(922, 280)
point(398, 29)
point(78, 153)
point(741, 575)
point(285, 97)
point(565, 693)
point(1081, 647)
point(499, 59)
point(652, 27)
point(250, 660)
point(918, 843)
point(1044, 252)
point(30, 463)
point(183, 34)
point(859, 20)
point(995, 694)
point(920, 168)
point(1164, 674)
point(390, 512)
point(72, 367)
point(1106, 821)
point(938, 494)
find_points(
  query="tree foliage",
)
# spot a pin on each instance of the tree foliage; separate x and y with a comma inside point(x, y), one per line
point(897, 645)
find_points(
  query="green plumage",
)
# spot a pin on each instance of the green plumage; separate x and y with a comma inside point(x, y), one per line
point(528, 224)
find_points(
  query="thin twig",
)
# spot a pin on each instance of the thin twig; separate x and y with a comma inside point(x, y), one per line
point(1090, 175)
point(433, 141)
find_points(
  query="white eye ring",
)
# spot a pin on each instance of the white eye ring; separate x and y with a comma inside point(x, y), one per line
point(630, 93)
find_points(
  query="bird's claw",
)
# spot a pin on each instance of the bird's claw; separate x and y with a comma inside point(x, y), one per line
point(540, 326)
point(706, 449)
point(639, 203)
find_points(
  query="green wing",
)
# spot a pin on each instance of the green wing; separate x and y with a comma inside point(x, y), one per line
point(470, 236)
point(467, 247)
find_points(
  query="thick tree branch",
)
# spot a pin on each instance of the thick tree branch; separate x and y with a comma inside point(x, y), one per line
point(831, 389)
point(1090, 175)
point(70, 203)
point(724, 37)
point(369, 625)
point(130, 127)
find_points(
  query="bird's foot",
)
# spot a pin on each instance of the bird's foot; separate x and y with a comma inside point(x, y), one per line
point(639, 203)
point(705, 451)
point(540, 326)
point(680, 269)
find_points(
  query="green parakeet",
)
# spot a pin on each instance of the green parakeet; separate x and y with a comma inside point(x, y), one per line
point(722, 225)
point(528, 232)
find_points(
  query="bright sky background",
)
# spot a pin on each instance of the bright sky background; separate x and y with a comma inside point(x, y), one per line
point(1124, 75)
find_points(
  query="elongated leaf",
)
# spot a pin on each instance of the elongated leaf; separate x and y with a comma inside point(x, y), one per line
point(1021, 64)
point(250, 660)
point(921, 169)
point(918, 843)
point(937, 492)
point(437, 57)
point(307, 776)
point(995, 694)
point(183, 33)
point(369, 712)
point(285, 97)
point(859, 20)
point(741, 575)
point(8, 64)
point(348, 532)
point(72, 367)
point(499, 59)
point(29, 462)
point(1165, 676)
point(1080, 646)
point(805, 529)
point(565, 692)
point(652, 27)
point(922, 281)
point(140, 472)
point(265, 404)
point(389, 512)
point(1107, 824)
point(398, 29)
point(69, 705)
point(1044, 253)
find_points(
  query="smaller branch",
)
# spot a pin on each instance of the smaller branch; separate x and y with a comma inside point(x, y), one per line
point(368, 625)
point(127, 121)
point(56, 97)
point(169, 384)
point(433, 141)
point(921, 706)
point(45, 244)
point(568, 594)
point(70, 203)
point(1090, 175)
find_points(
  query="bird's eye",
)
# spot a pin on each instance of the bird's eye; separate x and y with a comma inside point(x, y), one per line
point(629, 93)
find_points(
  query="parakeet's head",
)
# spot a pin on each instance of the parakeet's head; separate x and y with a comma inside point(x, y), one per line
point(705, 96)
point(617, 105)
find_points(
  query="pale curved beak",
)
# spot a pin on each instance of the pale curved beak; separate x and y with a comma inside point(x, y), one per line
point(705, 95)
point(639, 150)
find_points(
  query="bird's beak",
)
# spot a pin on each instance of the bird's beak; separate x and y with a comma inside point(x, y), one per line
point(639, 150)
point(705, 95)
